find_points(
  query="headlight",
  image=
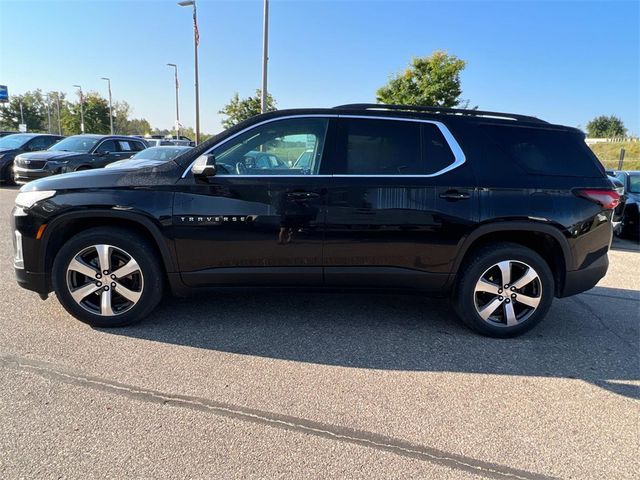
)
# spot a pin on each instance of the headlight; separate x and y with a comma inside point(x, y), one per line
point(29, 199)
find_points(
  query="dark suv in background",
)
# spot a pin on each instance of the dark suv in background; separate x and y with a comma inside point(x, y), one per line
point(12, 145)
point(79, 152)
point(500, 211)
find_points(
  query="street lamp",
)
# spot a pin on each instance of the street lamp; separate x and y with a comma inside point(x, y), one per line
point(49, 112)
point(58, 113)
point(265, 57)
point(110, 103)
point(177, 107)
point(81, 109)
point(196, 41)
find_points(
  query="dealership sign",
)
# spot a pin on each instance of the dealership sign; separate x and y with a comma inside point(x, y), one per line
point(4, 93)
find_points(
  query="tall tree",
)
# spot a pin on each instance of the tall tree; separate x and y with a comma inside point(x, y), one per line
point(34, 112)
point(606, 127)
point(96, 115)
point(429, 81)
point(238, 110)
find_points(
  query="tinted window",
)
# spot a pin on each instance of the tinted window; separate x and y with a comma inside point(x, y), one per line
point(41, 143)
point(544, 152)
point(125, 146)
point(273, 148)
point(107, 146)
point(436, 150)
point(78, 143)
point(137, 146)
point(382, 147)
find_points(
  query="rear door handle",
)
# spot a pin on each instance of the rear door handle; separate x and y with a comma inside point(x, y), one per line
point(455, 195)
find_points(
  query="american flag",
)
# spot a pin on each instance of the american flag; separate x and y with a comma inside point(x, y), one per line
point(195, 28)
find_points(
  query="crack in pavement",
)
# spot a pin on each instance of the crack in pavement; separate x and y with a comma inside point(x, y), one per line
point(295, 424)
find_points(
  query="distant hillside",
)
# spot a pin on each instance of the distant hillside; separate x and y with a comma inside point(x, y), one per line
point(609, 153)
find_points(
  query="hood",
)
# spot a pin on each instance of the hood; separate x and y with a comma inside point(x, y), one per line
point(135, 164)
point(50, 155)
point(165, 174)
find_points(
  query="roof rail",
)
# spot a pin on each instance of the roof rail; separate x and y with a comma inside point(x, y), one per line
point(442, 110)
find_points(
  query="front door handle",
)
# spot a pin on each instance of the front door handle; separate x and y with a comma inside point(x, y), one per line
point(302, 195)
point(455, 195)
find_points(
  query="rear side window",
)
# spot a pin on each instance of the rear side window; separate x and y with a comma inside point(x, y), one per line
point(543, 152)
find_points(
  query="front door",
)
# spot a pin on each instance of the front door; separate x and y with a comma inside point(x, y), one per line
point(399, 205)
point(259, 220)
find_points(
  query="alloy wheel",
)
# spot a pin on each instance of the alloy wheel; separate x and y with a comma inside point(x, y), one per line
point(104, 280)
point(507, 293)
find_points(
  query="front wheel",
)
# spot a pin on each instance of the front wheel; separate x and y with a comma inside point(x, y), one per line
point(107, 277)
point(504, 290)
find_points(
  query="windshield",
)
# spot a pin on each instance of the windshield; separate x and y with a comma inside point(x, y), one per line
point(75, 144)
point(14, 141)
point(160, 153)
point(634, 183)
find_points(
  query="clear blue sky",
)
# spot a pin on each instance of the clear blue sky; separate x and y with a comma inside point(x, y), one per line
point(563, 61)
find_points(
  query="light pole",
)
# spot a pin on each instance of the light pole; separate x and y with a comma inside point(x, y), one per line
point(81, 109)
point(49, 112)
point(110, 104)
point(196, 41)
point(265, 57)
point(177, 107)
point(58, 108)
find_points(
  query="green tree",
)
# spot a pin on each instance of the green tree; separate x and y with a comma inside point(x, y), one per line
point(606, 127)
point(34, 112)
point(238, 110)
point(123, 125)
point(432, 81)
point(96, 115)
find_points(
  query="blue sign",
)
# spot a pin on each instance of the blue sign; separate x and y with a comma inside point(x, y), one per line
point(4, 93)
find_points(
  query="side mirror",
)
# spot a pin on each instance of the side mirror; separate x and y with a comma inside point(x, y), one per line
point(204, 167)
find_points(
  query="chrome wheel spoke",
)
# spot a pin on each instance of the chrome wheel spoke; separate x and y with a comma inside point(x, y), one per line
point(127, 293)
point(83, 292)
point(505, 270)
point(532, 302)
point(510, 314)
point(77, 265)
point(130, 267)
point(105, 303)
point(104, 252)
point(486, 311)
point(529, 276)
point(487, 287)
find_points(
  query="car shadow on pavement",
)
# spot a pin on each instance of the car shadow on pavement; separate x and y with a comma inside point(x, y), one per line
point(406, 332)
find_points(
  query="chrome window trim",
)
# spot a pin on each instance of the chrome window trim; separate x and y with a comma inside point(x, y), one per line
point(458, 154)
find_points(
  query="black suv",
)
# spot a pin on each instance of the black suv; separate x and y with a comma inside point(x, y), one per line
point(79, 152)
point(502, 212)
point(12, 145)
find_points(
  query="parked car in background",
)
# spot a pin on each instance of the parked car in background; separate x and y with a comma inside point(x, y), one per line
point(4, 133)
point(150, 157)
point(157, 142)
point(631, 219)
point(618, 212)
point(17, 143)
point(503, 212)
point(79, 152)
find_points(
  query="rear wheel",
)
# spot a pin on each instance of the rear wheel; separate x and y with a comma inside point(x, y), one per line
point(107, 277)
point(504, 290)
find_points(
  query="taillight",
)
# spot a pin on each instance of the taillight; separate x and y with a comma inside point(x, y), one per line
point(607, 199)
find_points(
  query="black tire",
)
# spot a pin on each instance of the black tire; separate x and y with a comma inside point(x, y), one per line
point(138, 248)
point(480, 262)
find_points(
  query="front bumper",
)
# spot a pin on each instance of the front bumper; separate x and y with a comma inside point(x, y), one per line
point(36, 282)
point(25, 175)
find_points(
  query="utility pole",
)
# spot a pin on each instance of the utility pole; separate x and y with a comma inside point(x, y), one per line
point(196, 41)
point(177, 106)
point(58, 106)
point(265, 57)
point(81, 109)
point(49, 112)
point(110, 104)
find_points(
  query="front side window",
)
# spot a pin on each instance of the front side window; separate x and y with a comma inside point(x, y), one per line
point(274, 148)
point(107, 146)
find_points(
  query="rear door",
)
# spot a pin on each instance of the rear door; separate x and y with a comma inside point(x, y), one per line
point(399, 204)
point(259, 220)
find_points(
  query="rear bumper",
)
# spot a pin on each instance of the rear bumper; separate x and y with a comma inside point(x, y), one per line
point(578, 281)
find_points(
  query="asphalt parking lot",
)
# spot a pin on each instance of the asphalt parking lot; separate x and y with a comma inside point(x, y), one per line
point(281, 385)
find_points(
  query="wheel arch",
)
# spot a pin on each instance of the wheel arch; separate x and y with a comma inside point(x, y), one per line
point(65, 226)
point(546, 240)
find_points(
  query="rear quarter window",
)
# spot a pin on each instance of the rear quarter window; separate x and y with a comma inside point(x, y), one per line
point(542, 151)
